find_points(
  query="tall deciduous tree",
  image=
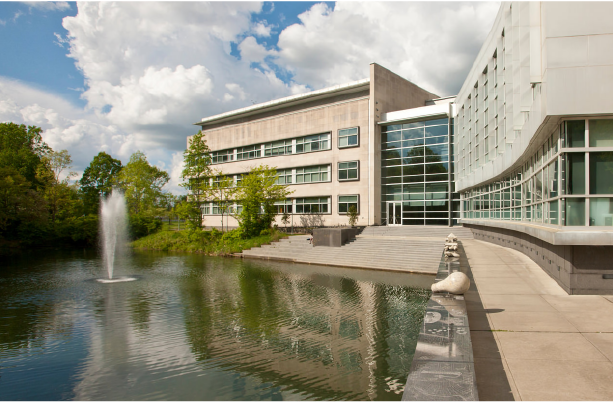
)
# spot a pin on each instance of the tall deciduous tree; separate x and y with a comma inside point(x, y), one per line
point(142, 184)
point(196, 175)
point(57, 191)
point(222, 192)
point(22, 148)
point(98, 179)
point(258, 194)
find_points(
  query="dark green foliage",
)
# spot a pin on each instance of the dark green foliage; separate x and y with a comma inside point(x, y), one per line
point(143, 224)
point(22, 148)
point(352, 215)
point(257, 195)
point(98, 179)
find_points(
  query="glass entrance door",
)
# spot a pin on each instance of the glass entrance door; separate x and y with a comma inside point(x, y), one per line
point(394, 214)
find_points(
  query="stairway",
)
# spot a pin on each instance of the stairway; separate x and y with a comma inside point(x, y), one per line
point(415, 249)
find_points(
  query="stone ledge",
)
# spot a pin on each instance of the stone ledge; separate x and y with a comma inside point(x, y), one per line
point(443, 366)
point(559, 237)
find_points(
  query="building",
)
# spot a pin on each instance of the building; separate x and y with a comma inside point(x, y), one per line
point(522, 154)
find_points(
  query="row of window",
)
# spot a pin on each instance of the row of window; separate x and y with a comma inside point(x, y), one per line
point(346, 171)
point(347, 137)
point(300, 206)
point(564, 183)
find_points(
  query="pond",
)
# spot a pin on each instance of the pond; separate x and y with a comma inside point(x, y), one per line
point(204, 328)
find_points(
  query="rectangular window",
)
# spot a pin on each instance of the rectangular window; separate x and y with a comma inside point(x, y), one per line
point(284, 207)
point(574, 134)
point(600, 133)
point(345, 202)
point(222, 156)
point(284, 176)
point(600, 211)
point(574, 173)
point(312, 174)
point(277, 148)
point(574, 212)
point(348, 137)
point(600, 172)
point(250, 152)
point(347, 170)
point(312, 143)
point(312, 205)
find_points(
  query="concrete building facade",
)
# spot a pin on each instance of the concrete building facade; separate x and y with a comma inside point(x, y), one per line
point(522, 154)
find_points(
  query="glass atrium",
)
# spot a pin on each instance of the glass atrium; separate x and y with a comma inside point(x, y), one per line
point(416, 177)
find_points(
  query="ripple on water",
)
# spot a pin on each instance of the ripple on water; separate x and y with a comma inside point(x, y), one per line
point(194, 327)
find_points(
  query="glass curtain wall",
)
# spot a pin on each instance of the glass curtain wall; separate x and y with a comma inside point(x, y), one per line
point(567, 182)
point(415, 181)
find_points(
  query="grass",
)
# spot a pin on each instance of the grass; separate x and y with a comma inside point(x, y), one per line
point(211, 242)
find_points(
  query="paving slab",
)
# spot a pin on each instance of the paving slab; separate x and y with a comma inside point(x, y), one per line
point(556, 380)
point(548, 346)
point(531, 340)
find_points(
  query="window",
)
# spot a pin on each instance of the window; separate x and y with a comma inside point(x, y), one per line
point(284, 176)
point(345, 202)
point(312, 143)
point(284, 207)
point(348, 137)
point(250, 152)
point(276, 148)
point(312, 205)
point(312, 174)
point(347, 170)
point(222, 156)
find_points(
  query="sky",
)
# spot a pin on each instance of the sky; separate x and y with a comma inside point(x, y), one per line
point(126, 76)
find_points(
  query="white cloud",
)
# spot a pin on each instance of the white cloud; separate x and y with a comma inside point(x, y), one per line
point(153, 68)
point(432, 44)
point(252, 51)
point(48, 5)
point(261, 28)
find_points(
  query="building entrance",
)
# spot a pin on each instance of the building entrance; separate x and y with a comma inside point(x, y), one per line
point(394, 214)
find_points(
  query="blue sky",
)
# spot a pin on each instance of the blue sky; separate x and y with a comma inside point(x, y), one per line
point(127, 76)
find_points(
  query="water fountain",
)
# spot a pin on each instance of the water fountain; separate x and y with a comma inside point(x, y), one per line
point(113, 223)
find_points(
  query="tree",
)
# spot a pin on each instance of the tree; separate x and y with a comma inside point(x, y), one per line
point(222, 192)
point(257, 194)
point(22, 148)
point(98, 179)
point(142, 185)
point(352, 215)
point(57, 191)
point(196, 175)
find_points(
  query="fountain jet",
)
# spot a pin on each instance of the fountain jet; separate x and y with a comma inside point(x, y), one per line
point(113, 222)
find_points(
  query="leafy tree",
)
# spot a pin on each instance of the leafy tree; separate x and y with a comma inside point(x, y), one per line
point(98, 179)
point(22, 148)
point(19, 204)
point(285, 218)
point(57, 191)
point(257, 194)
point(142, 185)
point(352, 215)
point(222, 192)
point(196, 175)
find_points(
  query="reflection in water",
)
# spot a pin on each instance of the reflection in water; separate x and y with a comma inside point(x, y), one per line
point(204, 328)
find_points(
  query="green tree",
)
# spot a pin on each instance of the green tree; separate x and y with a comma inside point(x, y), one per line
point(257, 195)
point(142, 185)
point(196, 175)
point(352, 215)
point(22, 148)
point(57, 192)
point(222, 192)
point(98, 179)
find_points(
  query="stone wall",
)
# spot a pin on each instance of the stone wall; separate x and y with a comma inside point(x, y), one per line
point(579, 270)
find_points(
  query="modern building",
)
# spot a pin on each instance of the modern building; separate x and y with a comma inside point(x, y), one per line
point(522, 154)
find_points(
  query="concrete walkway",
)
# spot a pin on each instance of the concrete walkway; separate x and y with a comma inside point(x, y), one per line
point(532, 341)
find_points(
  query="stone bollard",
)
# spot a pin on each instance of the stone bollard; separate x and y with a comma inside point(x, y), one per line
point(456, 283)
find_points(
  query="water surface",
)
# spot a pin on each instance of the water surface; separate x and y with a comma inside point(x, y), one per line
point(204, 328)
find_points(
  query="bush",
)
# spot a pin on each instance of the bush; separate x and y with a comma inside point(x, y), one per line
point(143, 224)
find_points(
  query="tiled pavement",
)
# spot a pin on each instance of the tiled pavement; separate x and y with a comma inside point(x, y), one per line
point(532, 341)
